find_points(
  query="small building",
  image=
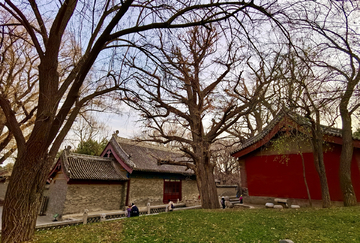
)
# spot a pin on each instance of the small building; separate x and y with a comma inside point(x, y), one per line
point(270, 169)
point(79, 182)
point(148, 181)
point(126, 172)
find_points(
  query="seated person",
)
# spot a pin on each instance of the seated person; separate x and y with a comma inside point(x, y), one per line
point(134, 210)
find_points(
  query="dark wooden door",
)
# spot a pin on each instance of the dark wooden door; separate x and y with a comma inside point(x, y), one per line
point(172, 190)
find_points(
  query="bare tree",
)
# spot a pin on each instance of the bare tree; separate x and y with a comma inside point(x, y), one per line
point(310, 97)
point(87, 127)
point(270, 71)
point(188, 80)
point(270, 103)
point(18, 85)
point(330, 28)
point(227, 168)
point(101, 29)
point(301, 89)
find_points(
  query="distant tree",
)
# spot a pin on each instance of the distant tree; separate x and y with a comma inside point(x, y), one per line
point(86, 127)
point(269, 71)
point(227, 168)
point(357, 133)
point(91, 147)
point(89, 134)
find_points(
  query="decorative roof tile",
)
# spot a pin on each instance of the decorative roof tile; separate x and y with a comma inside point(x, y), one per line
point(142, 156)
point(86, 167)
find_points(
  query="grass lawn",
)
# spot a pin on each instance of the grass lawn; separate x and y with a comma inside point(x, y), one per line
point(229, 225)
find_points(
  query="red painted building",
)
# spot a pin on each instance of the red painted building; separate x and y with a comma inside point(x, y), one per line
point(276, 169)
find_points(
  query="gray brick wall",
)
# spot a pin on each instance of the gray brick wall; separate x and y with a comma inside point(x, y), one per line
point(143, 191)
point(226, 190)
point(189, 190)
point(94, 197)
point(56, 193)
point(75, 198)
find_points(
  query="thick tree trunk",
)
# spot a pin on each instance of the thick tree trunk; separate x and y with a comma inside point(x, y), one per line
point(23, 197)
point(345, 161)
point(206, 184)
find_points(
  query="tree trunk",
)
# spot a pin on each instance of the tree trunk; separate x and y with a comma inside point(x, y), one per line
point(325, 194)
point(345, 160)
point(206, 184)
point(304, 177)
point(23, 197)
point(319, 164)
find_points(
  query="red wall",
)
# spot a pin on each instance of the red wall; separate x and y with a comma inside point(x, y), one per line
point(273, 176)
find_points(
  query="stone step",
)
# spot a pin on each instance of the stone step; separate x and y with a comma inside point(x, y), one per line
point(238, 205)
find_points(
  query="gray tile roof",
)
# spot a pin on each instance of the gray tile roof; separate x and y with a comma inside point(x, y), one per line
point(260, 135)
point(86, 167)
point(296, 118)
point(142, 156)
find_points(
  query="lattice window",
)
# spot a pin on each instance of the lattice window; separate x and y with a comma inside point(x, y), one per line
point(58, 226)
point(157, 210)
point(93, 219)
point(115, 216)
point(143, 213)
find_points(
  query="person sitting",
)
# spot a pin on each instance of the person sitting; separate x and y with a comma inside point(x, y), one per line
point(170, 206)
point(223, 202)
point(134, 210)
point(128, 210)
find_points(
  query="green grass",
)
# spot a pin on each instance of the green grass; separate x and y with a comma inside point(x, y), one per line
point(256, 225)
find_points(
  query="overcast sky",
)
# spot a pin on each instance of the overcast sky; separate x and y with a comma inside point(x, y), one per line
point(126, 124)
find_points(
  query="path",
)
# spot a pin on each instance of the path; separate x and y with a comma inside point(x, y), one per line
point(40, 219)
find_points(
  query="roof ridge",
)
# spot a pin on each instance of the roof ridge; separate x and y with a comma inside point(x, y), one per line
point(87, 156)
point(123, 154)
point(297, 118)
point(145, 144)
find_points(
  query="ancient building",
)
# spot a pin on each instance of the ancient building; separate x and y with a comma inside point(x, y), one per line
point(126, 172)
point(270, 168)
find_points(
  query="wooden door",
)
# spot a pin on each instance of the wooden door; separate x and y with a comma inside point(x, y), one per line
point(172, 190)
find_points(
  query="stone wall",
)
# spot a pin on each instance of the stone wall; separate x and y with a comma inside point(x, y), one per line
point(57, 194)
point(190, 192)
point(227, 190)
point(143, 191)
point(76, 197)
point(151, 190)
point(94, 197)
